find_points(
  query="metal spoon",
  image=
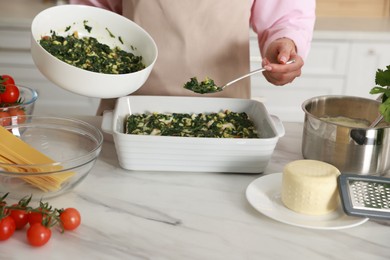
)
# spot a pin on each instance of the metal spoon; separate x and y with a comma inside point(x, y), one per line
point(379, 117)
point(376, 121)
point(248, 75)
point(359, 135)
point(211, 88)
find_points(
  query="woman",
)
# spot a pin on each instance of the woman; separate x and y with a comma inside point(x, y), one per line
point(211, 38)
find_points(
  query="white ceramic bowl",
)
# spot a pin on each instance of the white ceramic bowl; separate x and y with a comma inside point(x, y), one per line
point(83, 82)
point(197, 154)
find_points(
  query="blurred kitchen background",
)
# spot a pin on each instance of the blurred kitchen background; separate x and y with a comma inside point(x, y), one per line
point(351, 41)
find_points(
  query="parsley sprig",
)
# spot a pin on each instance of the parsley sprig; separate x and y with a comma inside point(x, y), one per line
point(382, 81)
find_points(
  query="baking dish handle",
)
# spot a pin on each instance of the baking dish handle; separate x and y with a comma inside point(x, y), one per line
point(107, 121)
point(278, 125)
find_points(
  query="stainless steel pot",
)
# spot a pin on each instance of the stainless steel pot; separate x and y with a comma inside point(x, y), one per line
point(350, 149)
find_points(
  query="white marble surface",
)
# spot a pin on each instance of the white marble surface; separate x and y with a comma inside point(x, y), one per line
point(184, 215)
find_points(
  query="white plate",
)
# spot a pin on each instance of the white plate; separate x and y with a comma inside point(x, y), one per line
point(264, 195)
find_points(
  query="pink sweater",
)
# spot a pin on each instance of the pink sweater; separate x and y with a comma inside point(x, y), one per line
point(270, 19)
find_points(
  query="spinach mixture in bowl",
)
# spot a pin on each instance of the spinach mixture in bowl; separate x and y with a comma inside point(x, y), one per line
point(225, 124)
point(89, 54)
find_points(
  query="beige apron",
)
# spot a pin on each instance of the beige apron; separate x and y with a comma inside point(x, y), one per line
point(194, 38)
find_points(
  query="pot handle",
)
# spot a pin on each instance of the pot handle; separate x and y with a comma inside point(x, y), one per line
point(107, 122)
point(278, 125)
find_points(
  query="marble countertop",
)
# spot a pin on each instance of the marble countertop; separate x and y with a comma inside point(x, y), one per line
point(190, 215)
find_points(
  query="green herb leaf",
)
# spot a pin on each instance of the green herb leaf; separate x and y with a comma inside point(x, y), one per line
point(382, 77)
point(380, 90)
point(382, 80)
point(384, 109)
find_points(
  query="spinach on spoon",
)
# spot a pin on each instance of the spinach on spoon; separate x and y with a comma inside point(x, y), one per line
point(205, 86)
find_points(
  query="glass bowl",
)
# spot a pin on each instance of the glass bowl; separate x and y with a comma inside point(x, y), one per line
point(71, 145)
point(27, 97)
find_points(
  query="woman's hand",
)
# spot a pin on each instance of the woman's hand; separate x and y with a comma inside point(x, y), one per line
point(278, 53)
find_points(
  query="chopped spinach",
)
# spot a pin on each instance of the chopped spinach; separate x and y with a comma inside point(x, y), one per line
point(110, 33)
point(226, 124)
point(205, 86)
point(86, 27)
point(89, 54)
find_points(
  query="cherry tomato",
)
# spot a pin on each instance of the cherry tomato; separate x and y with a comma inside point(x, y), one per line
point(70, 218)
point(20, 216)
point(16, 111)
point(38, 234)
point(35, 217)
point(10, 94)
point(7, 79)
point(4, 118)
point(7, 228)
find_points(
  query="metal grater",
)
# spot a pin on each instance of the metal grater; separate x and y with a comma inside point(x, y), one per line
point(365, 196)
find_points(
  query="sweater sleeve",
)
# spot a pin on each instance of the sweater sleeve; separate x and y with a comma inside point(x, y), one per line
point(112, 5)
point(274, 19)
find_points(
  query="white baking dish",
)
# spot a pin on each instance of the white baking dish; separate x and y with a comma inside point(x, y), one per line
point(195, 154)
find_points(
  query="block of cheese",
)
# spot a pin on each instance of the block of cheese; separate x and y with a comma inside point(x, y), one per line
point(310, 187)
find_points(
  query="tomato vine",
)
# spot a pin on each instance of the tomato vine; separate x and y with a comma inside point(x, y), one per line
point(40, 220)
